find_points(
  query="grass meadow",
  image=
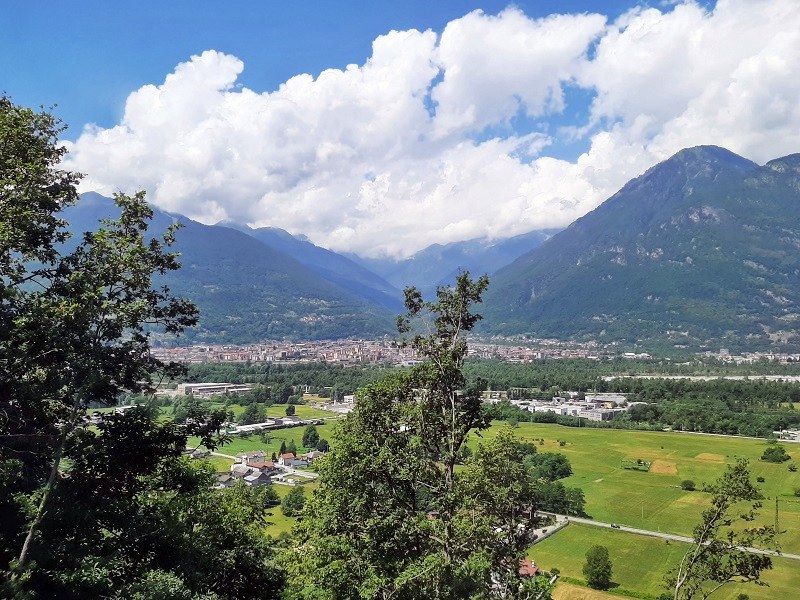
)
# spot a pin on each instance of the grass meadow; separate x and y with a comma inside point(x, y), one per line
point(304, 411)
point(650, 500)
point(278, 522)
point(276, 437)
point(640, 563)
point(654, 500)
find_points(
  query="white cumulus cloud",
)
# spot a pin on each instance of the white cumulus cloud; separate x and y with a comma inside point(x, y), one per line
point(423, 142)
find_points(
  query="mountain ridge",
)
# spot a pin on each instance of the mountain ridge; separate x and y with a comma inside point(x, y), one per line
point(667, 257)
point(247, 291)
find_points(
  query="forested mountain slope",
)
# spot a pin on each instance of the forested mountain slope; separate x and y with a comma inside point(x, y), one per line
point(247, 291)
point(701, 250)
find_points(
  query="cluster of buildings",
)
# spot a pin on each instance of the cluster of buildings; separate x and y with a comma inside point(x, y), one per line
point(206, 390)
point(593, 407)
point(749, 358)
point(788, 435)
point(256, 468)
point(384, 351)
point(538, 349)
point(347, 352)
point(271, 423)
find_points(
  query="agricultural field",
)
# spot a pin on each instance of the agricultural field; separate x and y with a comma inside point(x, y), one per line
point(653, 499)
point(648, 499)
point(640, 563)
point(304, 411)
point(275, 437)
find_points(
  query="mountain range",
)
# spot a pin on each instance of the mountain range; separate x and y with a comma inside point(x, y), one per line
point(701, 251)
point(439, 264)
point(249, 291)
point(258, 284)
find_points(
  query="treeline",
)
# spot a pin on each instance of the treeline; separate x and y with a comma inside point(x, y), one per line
point(546, 376)
point(738, 407)
point(584, 375)
point(698, 414)
point(321, 378)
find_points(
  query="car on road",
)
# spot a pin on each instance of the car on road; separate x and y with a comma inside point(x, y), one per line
point(614, 526)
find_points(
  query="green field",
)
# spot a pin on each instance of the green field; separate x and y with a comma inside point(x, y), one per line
point(649, 500)
point(640, 562)
point(304, 411)
point(278, 522)
point(254, 442)
point(654, 500)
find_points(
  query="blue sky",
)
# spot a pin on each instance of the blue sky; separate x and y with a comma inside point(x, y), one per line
point(87, 56)
point(382, 127)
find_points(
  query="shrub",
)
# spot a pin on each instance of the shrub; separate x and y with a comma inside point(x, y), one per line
point(688, 485)
point(760, 479)
point(775, 454)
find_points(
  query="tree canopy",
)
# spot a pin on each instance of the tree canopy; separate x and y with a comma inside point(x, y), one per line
point(597, 568)
point(106, 508)
point(392, 516)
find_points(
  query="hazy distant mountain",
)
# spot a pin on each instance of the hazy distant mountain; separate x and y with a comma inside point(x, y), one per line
point(703, 249)
point(329, 265)
point(248, 291)
point(438, 264)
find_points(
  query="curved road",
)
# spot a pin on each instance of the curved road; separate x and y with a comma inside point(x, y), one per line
point(671, 536)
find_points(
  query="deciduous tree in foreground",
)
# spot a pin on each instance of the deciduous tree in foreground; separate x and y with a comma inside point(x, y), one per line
point(393, 518)
point(719, 554)
point(109, 510)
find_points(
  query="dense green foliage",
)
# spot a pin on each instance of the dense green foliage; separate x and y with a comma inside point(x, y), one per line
point(597, 568)
point(776, 454)
point(333, 380)
point(310, 437)
point(133, 511)
point(293, 502)
point(108, 509)
point(392, 516)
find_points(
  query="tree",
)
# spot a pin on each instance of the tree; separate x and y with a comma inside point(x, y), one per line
point(323, 445)
point(310, 437)
point(290, 410)
point(597, 568)
point(719, 554)
point(293, 502)
point(549, 465)
point(393, 518)
point(282, 393)
point(249, 415)
point(688, 485)
point(88, 511)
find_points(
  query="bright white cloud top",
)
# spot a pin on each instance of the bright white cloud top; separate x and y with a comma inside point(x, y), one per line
point(439, 138)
